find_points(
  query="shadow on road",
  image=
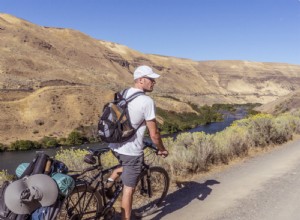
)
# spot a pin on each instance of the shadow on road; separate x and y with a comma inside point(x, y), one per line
point(178, 199)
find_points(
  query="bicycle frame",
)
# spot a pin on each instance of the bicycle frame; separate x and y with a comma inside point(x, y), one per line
point(119, 186)
point(99, 187)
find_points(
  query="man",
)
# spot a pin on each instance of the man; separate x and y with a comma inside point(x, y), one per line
point(130, 153)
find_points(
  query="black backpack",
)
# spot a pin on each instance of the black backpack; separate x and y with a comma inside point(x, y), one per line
point(114, 125)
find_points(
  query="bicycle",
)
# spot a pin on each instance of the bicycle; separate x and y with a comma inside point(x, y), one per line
point(88, 199)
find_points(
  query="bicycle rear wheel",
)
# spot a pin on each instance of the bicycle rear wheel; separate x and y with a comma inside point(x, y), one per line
point(83, 203)
point(150, 192)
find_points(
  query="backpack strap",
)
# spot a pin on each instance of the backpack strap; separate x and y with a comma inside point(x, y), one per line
point(133, 96)
point(122, 94)
point(130, 98)
point(118, 96)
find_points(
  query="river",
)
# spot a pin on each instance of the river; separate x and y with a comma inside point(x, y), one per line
point(10, 160)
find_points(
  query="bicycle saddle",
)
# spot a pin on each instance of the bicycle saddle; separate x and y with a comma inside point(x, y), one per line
point(97, 152)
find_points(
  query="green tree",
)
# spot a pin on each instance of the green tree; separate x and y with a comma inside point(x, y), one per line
point(74, 138)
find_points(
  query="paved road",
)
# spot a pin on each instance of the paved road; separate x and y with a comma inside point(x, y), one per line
point(266, 187)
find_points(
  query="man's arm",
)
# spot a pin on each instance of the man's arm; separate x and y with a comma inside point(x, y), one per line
point(156, 138)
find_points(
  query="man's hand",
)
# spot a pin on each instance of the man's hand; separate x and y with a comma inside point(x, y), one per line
point(163, 153)
point(156, 138)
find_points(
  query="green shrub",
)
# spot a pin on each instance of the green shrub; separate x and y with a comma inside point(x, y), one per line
point(282, 129)
point(231, 142)
point(74, 138)
point(93, 140)
point(209, 114)
point(5, 176)
point(73, 158)
point(62, 141)
point(193, 150)
point(88, 133)
point(25, 145)
point(49, 142)
point(258, 127)
point(296, 116)
point(2, 147)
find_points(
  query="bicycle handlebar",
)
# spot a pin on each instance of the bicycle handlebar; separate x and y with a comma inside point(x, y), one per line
point(150, 145)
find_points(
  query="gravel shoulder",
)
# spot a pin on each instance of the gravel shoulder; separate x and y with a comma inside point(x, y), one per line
point(264, 186)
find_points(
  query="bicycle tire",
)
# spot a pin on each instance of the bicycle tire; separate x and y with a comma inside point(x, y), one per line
point(89, 207)
point(143, 204)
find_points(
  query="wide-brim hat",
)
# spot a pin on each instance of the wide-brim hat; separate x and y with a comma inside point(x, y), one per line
point(30, 193)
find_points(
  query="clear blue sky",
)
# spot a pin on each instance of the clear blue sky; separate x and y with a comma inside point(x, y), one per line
point(253, 30)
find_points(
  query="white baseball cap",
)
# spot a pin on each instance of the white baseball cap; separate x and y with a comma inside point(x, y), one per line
point(144, 71)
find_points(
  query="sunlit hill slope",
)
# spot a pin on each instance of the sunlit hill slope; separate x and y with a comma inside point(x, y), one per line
point(53, 80)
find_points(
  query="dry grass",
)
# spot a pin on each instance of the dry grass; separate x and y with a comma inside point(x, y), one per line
point(4, 176)
point(199, 152)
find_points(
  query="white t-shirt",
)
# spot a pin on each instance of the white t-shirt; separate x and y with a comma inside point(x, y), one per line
point(140, 109)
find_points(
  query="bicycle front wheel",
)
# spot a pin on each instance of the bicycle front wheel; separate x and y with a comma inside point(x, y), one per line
point(150, 191)
point(83, 203)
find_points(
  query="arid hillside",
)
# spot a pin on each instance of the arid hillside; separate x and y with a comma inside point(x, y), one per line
point(53, 80)
point(287, 103)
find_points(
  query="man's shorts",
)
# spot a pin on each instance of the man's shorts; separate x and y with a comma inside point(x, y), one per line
point(132, 167)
